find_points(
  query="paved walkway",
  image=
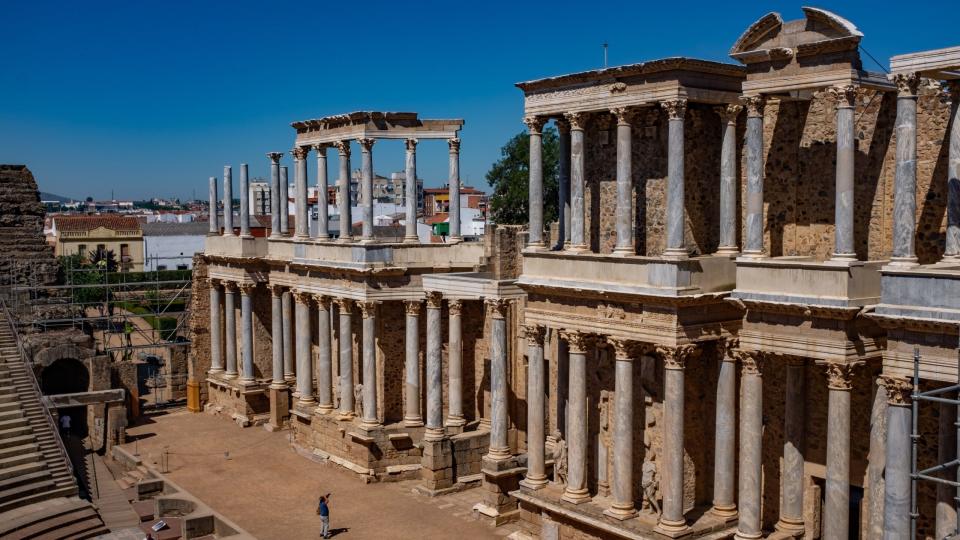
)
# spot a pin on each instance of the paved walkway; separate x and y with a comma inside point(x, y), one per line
point(254, 478)
point(111, 501)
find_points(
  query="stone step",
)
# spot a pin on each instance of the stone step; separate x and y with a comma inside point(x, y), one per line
point(25, 489)
point(10, 451)
point(11, 414)
point(15, 431)
point(9, 406)
point(24, 479)
point(16, 440)
point(50, 523)
point(13, 423)
point(21, 469)
point(36, 497)
point(20, 459)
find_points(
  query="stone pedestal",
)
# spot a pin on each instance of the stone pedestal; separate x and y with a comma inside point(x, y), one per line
point(279, 408)
point(437, 466)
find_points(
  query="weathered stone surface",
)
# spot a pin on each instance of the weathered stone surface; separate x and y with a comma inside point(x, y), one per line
point(27, 259)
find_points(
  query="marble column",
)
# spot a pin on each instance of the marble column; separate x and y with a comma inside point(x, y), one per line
point(304, 347)
point(751, 445)
point(230, 323)
point(535, 188)
point(246, 328)
point(896, 497)
point(366, 186)
point(345, 307)
point(343, 195)
point(952, 251)
point(791, 494)
point(676, 220)
point(212, 220)
point(563, 182)
point(244, 202)
point(289, 355)
point(227, 200)
point(455, 416)
point(276, 335)
point(624, 182)
point(905, 175)
point(324, 356)
point(454, 183)
point(216, 325)
point(411, 366)
point(725, 445)
point(368, 311)
point(675, 359)
point(728, 180)
point(499, 419)
point(623, 430)
point(946, 521)
point(536, 476)
point(576, 491)
point(284, 202)
point(836, 507)
point(753, 227)
point(578, 238)
point(323, 213)
point(846, 99)
point(876, 462)
point(275, 224)
point(410, 199)
point(435, 369)
point(302, 217)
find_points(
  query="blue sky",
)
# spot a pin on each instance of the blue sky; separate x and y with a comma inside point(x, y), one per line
point(150, 98)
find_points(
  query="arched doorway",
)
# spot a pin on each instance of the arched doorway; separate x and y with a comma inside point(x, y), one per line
point(68, 376)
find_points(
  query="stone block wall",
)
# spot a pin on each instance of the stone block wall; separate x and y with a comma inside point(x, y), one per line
point(27, 259)
point(198, 358)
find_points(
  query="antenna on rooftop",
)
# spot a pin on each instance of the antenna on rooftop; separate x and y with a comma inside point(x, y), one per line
point(605, 47)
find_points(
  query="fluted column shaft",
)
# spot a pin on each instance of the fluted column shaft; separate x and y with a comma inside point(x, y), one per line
point(324, 356)
point(455, 365)
point(410, 179)
point(304, 343)
point(952, 252)
point(346, 358)
point(454, 182)
point(674, 363)
point(499, 419)
point(369, 312)
point(230, 323)
point(276, 335)
point(623, 429)
point(535, 188)
point(791, 499)
point(624, 182)
point(751, 445)
point(434, 368)
point(214, 227)
point(323, 214)
point(725, 449)
point(343, 183)
point(728, 180)
point(246, 327)
point(284, 202)
point(896, 494)
point(536, 477)
point(836, 511)
point(275, 194)
point(676, 112)
point(905, 173)
point(753, 243)
point(289, 355)
point(244, 201)
point(846, 149)
point(302, 223)
point(411, 416)
point(577, 430)
point(216, 324)
point(563, 183)
point(227, 200)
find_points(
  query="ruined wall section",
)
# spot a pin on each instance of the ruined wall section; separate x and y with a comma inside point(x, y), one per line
point(25, 256)
point(198, 359)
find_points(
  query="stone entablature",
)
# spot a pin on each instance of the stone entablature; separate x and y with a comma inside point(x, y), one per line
point(633, 85)
point(942, 64)
point(807, 282)
point(373, 125)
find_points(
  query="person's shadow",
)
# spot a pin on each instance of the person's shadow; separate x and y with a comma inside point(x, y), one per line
point(335, 532)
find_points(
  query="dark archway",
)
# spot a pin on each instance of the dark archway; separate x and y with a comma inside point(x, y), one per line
point(68, 376)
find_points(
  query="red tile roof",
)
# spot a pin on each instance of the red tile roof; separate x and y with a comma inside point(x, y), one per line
point(88, 223)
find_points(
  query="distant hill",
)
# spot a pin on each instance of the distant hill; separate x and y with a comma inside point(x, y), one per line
point(44, 196)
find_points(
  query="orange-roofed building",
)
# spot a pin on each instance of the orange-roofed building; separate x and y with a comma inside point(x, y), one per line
point(84, 235)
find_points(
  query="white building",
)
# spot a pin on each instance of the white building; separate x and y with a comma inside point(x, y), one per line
point(171, 246)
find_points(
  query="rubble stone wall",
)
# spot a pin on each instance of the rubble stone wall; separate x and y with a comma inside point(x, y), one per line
point(26, 257)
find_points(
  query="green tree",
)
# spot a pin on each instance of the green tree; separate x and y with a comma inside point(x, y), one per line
point(510, 178)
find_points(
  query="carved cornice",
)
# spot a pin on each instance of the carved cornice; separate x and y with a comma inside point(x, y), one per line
point(751, 361)
point(844, 95)
point(454, 145)
point(300, 152)
point(929, 326)
point(577, 120)
point(802, 310)
point(497, 307)
point(366, 144)
point(303, 297)
point(534, 334)
point(275, 156)
point(577, 342)
point(899, 390)
point(677, 357)
point(675, 108)
point(534, 123)
point(625, 115)
point(455, 307)
point(434, 300)
point(729, 113)
point(839, 376)
point(343, 147)
point(907, 84)
point(753, 104)
point(368, 309)
point(412, 307)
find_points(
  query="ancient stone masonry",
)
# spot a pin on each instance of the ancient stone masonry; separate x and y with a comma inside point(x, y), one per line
point(27, 258)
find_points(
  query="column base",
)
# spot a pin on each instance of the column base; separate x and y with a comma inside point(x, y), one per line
point(322, 238)
point(577, 248)
point(623, 251)
point(325, 408)
point(844, 257)
point(676, 253)
point(728, 250)
point(248, 381)
point(726, 512)
point(345, 240)
point(213, 372)
point(753, 254)
point(949, 260)
point(301, 237)
point(229, 375)
point(411, 239)
point(455, 422)
point(412, 421)
point(620, 512)
point(370, 425)
point(671, 528)
point(747, 536)
point(791, 526)
point(306, 402)
point(538, 246)
point(345, 416)
point(534, 484)
point(499, 454)
point(576, 496)
point(434, 434)
point(279, 386)
point(904, 262)
point(367, 241)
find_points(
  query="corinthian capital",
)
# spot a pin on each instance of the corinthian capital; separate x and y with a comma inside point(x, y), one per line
point(454, 145)
point(323, 302)
point(577, 120)
point(754, 104)
point(729, 113)
point(411, 144)
point(412, 307)
point(898, 390)
point(366, 144)
point(534, 333)
point(577, 341)
point(303, 297)
point(275, 156)
point(343, 147)
point(345, 305)
point(676, 357)
point(497, 307)
point(751, 362)
point(845, 95)
point(907, 84)
point(625, 115)
point(276, 289)
point(839, 376)
point(675, 108)
point(623, 349)
point(368, 309)
point(434, 300)
point(300, 152)
point(247, 289)
point(534, 123)
point(455, 307)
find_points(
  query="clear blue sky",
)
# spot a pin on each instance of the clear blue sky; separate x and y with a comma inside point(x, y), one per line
point(150, 98)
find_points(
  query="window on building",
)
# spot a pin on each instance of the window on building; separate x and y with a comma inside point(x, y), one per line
point(82, 251)
point(124, 252)
point(181, 267)
point(161, 267)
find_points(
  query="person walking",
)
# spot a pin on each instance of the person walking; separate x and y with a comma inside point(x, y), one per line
point(65, 425)
point(324, 510)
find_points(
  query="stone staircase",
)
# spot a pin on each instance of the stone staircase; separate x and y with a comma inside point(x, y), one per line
point(37, 486)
